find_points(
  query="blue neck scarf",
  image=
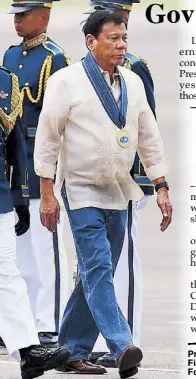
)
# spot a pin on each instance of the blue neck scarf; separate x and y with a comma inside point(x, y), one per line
point(101, 87)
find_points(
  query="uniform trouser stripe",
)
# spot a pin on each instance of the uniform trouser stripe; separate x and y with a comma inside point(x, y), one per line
point(131, 271)
point(57, 282)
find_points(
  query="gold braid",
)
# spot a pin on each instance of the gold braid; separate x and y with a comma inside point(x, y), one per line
point(127, 64)
point(16, 106)
point(44, 76)
point(68, 60)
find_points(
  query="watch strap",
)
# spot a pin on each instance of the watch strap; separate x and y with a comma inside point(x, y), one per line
point(161, 185)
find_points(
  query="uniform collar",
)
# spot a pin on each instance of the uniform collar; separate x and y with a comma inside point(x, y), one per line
point(35, 41)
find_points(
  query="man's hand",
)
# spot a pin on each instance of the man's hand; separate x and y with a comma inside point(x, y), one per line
point(49, 211)
point(23, 223)
point(165, 207)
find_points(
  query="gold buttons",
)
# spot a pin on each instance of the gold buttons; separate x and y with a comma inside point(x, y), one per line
point(24, 53)
point(20, 66)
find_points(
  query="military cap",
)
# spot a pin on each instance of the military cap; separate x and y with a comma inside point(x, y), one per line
point(110, 5)
point(20, 6)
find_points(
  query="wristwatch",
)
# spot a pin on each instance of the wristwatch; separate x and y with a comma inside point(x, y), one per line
point(161, 185)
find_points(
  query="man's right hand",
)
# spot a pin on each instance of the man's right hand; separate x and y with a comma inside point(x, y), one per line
point(165, 206)
point(49, 211)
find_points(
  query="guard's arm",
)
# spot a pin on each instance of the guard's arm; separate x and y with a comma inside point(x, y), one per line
point(141, 69)
point(16, 158)
point(59, 61)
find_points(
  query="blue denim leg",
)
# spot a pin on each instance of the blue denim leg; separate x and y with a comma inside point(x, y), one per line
point(95, 232)
point(78, 329)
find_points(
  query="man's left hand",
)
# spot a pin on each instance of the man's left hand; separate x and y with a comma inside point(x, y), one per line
point(165, 207)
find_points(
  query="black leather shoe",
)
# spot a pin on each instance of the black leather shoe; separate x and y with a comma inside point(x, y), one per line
point(128, 362)
point(39, 359)
point(95, 355)
point(107, 360)
point(82, 367)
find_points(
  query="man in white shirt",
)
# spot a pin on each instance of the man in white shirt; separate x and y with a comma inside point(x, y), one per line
point(91, 105)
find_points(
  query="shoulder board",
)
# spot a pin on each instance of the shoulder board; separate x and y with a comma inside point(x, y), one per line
point(55, 50)
point(130, 59)
point(52, 47)
point(5, 69)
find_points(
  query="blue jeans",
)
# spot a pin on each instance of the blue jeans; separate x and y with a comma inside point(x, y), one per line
point(92, 307)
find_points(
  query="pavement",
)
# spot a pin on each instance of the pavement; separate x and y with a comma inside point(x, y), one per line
point(12, 371)
point(164, 318)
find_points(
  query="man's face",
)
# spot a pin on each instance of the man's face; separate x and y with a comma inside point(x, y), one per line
point(111, 44)
point(30, 23)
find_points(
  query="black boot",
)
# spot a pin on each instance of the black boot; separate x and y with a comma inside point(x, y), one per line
point(107, 360)
point(94, 356)
point(48, 339)
point(37, 359)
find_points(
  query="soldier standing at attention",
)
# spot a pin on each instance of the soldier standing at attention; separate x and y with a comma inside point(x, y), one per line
point(38, 251)
point(17, 326)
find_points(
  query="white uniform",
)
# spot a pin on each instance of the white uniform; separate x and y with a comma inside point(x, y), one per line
point(45, 274)
point(17, 327)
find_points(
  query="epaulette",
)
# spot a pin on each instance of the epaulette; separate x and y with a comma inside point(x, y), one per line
point(52, 47)
point(130, 59)
point(55, 49)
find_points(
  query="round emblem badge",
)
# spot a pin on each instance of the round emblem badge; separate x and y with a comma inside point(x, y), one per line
point(123, 138)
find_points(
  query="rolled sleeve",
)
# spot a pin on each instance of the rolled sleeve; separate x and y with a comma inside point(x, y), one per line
point(45, 170)
point(157, 171)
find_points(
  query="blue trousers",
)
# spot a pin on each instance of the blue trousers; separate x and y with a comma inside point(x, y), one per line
point(92, 307)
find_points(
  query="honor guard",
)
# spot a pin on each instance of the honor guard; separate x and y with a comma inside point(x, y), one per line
point(39, 260)
point(17, 326)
